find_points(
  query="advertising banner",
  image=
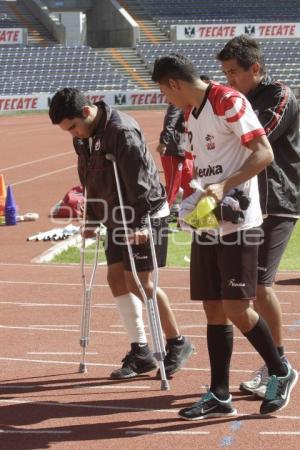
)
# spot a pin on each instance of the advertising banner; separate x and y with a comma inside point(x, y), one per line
point(12, 36)
point(194, 32)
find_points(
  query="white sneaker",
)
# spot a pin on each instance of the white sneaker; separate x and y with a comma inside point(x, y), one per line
point(258, 384)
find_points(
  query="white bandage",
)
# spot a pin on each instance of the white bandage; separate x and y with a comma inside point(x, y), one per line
point(131, 311)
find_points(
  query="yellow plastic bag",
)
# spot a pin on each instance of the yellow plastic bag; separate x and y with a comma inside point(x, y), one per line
point(202, 215)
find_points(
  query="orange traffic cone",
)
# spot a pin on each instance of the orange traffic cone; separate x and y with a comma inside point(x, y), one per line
point(2, 195)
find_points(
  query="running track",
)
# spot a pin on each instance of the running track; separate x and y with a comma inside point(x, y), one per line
point(45, 402)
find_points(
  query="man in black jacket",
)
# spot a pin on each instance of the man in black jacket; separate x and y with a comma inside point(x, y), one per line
point(176, 162)
point(97, 130)
point(279, 184)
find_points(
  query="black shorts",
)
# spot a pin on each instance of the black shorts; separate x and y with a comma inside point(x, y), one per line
point(116, 248)
point(277, 231)
point(224, 268)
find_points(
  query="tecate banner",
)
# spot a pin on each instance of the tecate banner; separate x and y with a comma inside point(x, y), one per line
point(11, 36)
point(117, 99)
point(190, 32)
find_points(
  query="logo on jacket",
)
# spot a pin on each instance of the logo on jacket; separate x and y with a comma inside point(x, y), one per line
point(189, 32)
point(210, 142)
point(97, 145)
point(250, 30)
point(209, 171)
point(120, 99)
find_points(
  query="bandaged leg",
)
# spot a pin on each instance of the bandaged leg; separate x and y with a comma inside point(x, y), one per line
point(131, 311)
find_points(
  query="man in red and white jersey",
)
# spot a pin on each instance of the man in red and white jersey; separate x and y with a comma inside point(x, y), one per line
point(230, 149)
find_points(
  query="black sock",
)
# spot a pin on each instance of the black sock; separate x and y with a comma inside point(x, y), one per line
point(261, 339)
point(220, 344)
point(179, 340)
point(140, 349)
point(280, 351)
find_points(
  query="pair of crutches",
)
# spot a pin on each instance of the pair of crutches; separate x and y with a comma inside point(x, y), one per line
point(150, 303)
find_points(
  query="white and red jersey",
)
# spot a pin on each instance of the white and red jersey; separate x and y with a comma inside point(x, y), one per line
point(219, 132)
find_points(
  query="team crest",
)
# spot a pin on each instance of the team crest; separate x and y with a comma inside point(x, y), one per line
point(210, 142)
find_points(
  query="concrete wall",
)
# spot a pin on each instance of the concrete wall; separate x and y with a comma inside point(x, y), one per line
point(109, 25)
point(41, 12)
point(73, 25)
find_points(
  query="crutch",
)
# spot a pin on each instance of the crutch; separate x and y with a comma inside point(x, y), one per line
point(151, 303)
point(87, 292)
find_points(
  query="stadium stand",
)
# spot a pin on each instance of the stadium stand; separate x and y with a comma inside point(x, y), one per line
point(15, 14)
point(27, 70)
point(185, 11)
point(282, 57)
point(45, 66)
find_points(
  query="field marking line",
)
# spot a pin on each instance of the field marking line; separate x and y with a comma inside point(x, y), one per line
point(46, 174)
point(34, 161)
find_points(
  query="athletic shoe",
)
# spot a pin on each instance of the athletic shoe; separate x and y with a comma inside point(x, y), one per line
point(278, 391)
point(208, 406)
point(258, 384)
point(134, 365)
point(177, 355)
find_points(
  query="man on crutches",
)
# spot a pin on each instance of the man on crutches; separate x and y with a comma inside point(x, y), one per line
point(98, 130)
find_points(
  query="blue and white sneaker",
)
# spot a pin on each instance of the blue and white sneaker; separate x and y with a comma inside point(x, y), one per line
point(258, 384)
point(208, 406)
point(278, 391)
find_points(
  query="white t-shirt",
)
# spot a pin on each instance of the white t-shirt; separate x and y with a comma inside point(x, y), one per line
point(219, 132)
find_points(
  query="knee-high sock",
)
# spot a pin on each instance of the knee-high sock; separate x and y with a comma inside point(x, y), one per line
point(261, 338)
point(131, 311)
point(220, 344)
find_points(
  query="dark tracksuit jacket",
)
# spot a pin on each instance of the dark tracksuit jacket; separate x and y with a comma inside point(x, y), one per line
point(173, 133)
point(119, 134)
point(278, 112)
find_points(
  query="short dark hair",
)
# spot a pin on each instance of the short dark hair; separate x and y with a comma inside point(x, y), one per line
point(174, 66)
point(245, 50)
point(67, 103)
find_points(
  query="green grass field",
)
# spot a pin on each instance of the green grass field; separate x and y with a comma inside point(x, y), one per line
point(179, 252)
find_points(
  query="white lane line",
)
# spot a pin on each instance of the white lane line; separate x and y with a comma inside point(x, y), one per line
point(35, 432)
point(46, 174)
point(30, 304)
point(32, 327)
point(58, 325)
point(36, 283)
point(162, 270)
point(45, 328)
point(117, 386)
point(276, 433)
point(87, 406)
point(34, 161)
point(64, 353)
point(75, 386)
point(120, 408)
point(184, 433)
point(255, 353)
point(47, 283)
point(44, 361)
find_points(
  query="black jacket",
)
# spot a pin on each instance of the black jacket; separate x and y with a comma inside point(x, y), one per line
point(173, 133)
point(119, 134)
point(278, 112)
